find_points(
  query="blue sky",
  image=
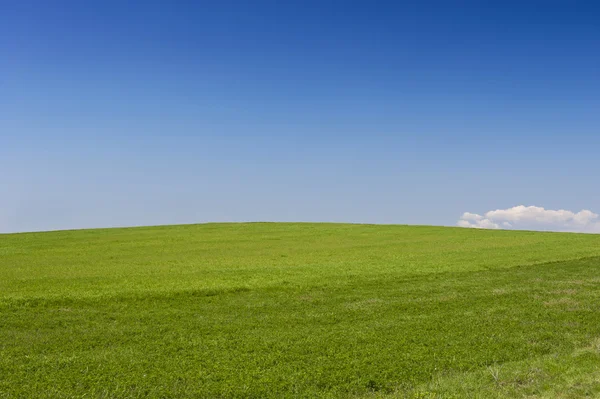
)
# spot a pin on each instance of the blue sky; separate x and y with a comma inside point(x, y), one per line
point(120, 113)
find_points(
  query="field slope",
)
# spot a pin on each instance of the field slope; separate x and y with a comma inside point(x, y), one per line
point(299, 310)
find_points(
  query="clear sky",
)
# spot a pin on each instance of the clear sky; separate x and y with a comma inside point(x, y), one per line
point(117, 113)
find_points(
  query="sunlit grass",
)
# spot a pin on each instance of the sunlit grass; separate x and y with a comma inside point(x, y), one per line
point(299, 310)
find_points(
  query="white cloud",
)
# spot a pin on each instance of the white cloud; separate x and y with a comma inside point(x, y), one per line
point(473, 217)
point(533, 218)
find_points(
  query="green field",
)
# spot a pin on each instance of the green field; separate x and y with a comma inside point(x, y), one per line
point(278, 310)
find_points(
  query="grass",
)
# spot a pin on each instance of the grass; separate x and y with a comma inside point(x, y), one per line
point(299, 310)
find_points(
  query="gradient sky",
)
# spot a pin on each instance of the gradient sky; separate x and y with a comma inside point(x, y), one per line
point(116, 113)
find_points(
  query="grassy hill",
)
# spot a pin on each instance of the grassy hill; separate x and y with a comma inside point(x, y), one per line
point(299, 310)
